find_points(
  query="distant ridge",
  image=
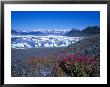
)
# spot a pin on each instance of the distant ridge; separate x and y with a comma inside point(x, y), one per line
point(14, 32)
point(73, 32)
point(88, 31)
point(91, 30)
point(39, 32)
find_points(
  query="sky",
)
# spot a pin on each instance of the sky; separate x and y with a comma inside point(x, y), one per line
point(47, 20)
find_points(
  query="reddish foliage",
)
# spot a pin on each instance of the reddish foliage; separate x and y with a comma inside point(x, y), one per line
point(80, 58)
point(79, 65)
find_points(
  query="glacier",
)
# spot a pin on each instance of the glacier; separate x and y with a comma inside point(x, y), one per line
point(32, 41)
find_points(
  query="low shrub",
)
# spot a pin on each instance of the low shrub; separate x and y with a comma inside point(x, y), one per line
point(78, 65)
point(47, 64)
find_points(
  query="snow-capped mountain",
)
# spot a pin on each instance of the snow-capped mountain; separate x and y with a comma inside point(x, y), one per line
point(41, 38)
point(39, 32)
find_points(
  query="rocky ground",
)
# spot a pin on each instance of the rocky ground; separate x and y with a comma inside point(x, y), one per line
point(79, 59)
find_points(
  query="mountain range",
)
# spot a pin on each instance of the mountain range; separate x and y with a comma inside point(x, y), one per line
point(88, 31)
point(39, 32)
